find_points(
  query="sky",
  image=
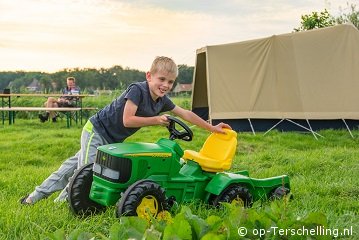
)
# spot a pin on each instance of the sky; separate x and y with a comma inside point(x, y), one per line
point(50, 35)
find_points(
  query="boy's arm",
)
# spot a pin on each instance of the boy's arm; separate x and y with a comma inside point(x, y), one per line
point(130, 120)
point(195, 119)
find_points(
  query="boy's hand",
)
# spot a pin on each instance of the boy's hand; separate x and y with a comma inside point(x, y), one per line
point(163, 120)
point(219, 127)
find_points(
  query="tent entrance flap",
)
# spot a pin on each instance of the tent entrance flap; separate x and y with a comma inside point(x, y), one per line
point(200, 99)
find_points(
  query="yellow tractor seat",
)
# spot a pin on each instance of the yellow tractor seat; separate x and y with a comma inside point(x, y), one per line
point(216, 153)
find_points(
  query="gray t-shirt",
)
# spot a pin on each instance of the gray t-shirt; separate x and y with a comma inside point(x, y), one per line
point(109, 121)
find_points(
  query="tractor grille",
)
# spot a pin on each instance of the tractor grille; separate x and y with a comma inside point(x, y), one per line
point(111, 168)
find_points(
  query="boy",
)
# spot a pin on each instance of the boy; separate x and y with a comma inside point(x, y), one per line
point(139, 106)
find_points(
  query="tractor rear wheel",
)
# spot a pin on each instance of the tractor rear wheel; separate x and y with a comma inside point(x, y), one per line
point(236, 194)
point(144, 199)
point(79, 192)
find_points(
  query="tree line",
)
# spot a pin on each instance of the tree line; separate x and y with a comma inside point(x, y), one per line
point(89, 79)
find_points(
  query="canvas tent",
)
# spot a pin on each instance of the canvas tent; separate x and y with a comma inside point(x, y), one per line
point(304, 80)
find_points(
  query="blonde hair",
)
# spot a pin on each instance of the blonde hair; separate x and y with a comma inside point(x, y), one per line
point(70, 79)
point(164, 64)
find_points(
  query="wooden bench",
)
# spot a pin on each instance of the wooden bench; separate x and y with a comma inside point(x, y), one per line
point(67, 111)
point(85, 113)
point(90, 108)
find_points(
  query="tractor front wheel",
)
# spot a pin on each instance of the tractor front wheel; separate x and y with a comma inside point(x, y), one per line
point(79, 192)
point(144, 199)
point(236, 194)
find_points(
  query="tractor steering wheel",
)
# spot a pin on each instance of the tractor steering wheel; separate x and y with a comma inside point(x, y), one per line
point(186, 134)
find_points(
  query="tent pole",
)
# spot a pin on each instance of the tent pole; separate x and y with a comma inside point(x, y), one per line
point(313, 132)
point(250, 123)
point(273, 127)
point(348, 128)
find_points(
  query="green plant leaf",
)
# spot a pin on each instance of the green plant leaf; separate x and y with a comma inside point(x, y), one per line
point(179, 229)
point(85, 236)
point(213, 220)
point(213, 236)
point(115, 230)
point(152, 234)
point(78, 234)
point(129, 227)
point(217, 225)
point(316, 218)
point(199, 225)
point(59, 234)
point(259, 219)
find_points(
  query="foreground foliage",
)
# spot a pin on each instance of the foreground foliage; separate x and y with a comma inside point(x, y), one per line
point(271, 221)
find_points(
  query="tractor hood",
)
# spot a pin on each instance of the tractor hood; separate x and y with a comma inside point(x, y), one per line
point(163, 148)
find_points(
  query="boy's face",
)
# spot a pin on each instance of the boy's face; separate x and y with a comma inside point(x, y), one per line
point(70, 83)
point(160, 83)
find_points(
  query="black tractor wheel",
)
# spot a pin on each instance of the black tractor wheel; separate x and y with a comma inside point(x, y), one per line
point(79, 191)
point(234, 194)
point(144, 199)
point(279, 193)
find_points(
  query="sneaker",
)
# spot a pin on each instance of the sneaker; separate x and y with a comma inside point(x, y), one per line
point(26, 200)
point(43, 118)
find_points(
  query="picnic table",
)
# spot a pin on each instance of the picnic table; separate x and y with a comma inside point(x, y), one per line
point(71, 113)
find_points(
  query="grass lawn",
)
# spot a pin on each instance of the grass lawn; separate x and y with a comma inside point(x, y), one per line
point(324, 174)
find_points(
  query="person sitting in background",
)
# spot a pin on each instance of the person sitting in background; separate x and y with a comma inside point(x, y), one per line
point(63, 101)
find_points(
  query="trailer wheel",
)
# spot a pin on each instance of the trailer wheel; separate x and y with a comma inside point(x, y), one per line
point(236, 194)
point(144, 199)
point(279, 193)
point(79, 191)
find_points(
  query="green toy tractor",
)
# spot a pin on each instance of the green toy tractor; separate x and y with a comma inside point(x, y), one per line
point(142, 178)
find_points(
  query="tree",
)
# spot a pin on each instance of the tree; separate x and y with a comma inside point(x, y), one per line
point(45, 81)
point(22, 82)
point(315, 20)
point(7, 77)
point(351, 17)
point(185, 74)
